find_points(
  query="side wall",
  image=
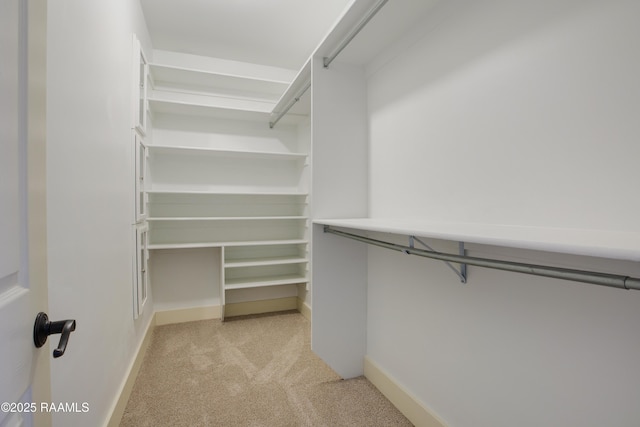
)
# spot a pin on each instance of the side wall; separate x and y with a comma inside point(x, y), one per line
point(339, 189)
point(90, 200)
point(512, 113)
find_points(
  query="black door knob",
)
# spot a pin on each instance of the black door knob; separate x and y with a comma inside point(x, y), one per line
point(43, 328)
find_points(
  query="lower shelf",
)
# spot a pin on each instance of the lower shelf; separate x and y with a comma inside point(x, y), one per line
point(257, 282)
point(256, 262)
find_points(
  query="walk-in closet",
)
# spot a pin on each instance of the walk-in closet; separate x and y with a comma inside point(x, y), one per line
point(445, 191)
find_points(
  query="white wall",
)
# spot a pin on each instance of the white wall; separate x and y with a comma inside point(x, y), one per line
point(185, 278)
point(509, 112)
point(506, 349)
point(90, 201)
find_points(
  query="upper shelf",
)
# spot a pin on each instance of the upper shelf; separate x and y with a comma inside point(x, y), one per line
point(206, 81)
point(597, 243)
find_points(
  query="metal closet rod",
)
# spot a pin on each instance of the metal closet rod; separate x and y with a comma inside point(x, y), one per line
point(291, 104)
point(354, 32)
point(594, 278)
point(329, 59)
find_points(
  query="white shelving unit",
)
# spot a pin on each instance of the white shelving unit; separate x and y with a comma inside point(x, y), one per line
point(218, 177)
point(375, 289)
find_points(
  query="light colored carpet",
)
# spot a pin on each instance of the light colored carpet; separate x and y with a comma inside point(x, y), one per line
point(251, 371)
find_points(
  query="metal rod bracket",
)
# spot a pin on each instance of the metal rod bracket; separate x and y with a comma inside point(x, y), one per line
point(461, 272)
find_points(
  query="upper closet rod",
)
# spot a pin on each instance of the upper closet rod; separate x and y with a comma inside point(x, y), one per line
point(602, 279)
point(370, 14)
point(328, 59)
point(291, 104)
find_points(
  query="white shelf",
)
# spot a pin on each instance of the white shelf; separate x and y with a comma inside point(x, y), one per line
point(189, 78)
point(192, 245)
point(213, 101)
point(256, 262)
point(177, 149)
point(597, 243)
point(227, 218)
point(229, 193)
point(257, 282)
point(268, 242)
point(209, 110)
point(225, 109)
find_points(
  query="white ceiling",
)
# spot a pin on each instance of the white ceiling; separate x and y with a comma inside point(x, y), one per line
point(280, 33)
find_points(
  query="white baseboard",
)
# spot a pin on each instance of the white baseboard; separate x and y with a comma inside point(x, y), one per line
point(191, 314)
point(121, 404)
point(261, 306)
point(401, 398)
point(304, 309)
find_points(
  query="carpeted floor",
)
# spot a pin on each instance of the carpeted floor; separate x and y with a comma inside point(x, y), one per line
point(251, 371)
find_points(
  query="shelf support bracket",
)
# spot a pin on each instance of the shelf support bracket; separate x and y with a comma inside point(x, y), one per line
point(461, 273)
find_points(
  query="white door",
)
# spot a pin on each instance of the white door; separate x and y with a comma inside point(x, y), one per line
point(24, 370)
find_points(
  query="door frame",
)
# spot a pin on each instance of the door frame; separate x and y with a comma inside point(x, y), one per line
point(36, 131)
